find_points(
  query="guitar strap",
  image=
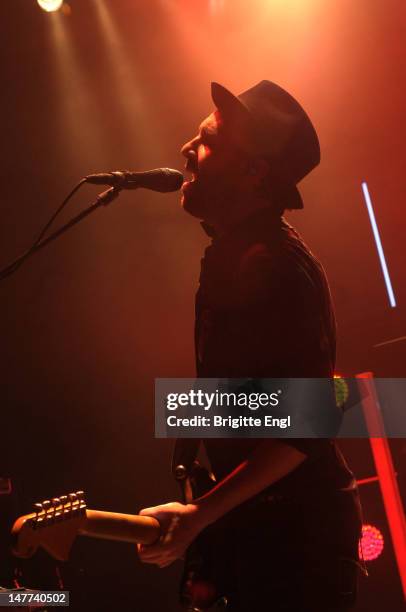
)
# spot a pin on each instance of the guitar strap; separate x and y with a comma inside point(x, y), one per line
point(183, 459)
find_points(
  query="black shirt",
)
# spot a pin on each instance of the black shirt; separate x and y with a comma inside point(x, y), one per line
point(264, 310)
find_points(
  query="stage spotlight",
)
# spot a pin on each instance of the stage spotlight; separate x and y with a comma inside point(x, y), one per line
point(371, 544)
point(50, 5)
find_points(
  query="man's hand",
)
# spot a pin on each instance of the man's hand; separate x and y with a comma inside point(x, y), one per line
point(180, 524)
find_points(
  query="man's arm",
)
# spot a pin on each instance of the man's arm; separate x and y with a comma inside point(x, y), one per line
point(270, 461)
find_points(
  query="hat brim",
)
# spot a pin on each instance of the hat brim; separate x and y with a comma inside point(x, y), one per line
point(226, 101)
point(291, 198)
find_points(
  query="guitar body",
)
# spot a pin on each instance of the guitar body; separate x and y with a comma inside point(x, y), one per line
point(216, 560)
point(267, 539)
point(201, 584)
point(258, 543)
point(205, 579)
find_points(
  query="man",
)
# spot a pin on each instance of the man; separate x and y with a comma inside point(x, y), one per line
point(263, 310)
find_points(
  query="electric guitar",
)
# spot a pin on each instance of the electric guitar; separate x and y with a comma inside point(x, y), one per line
point(57, 522)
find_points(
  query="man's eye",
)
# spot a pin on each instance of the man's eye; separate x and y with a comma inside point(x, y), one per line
point(206, 141)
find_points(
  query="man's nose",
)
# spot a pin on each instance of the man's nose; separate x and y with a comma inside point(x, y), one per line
point(185, 149)
point(189, 152)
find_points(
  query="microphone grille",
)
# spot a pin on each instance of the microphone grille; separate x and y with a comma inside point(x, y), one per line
point(170, 179)
point(160, 179)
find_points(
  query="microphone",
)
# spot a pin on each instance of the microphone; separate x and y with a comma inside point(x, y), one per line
point(160, 179)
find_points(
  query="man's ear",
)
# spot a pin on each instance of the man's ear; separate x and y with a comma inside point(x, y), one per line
point(257, 168)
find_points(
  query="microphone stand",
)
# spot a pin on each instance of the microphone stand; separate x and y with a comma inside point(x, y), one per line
point(102, 200)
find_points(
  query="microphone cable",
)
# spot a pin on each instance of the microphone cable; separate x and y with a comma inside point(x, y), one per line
point(14, 265)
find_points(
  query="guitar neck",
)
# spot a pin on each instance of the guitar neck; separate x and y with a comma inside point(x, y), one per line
point(55, 531)
point(120, 527)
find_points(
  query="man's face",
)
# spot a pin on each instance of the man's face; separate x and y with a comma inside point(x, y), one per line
point(216, 166)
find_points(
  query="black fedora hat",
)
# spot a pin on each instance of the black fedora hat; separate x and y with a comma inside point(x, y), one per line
point(272, 124)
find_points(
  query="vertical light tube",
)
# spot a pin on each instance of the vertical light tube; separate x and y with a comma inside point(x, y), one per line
point(379, 247)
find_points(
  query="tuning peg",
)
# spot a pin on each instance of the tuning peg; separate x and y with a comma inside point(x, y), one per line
point(50, 510)
point(77, 502)
point(80, 504)
point(38, 519)
point(66, 503)
point(81, 501)
point(72, 497)
point(39, 514)
point(74, 506)
point(56, 504)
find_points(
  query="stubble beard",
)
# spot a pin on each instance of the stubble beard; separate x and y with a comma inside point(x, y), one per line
point(206, 203)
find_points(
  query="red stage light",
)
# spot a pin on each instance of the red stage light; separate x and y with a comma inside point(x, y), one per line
point(371, 544)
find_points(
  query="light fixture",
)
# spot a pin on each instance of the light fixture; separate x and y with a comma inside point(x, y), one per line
point(50, 5)
point(341, 390)
point(379, 246)
point(371, 544)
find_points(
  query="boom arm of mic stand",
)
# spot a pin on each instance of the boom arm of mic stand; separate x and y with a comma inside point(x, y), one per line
point(102, 200)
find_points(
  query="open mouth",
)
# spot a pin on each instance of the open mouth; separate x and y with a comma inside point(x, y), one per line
point(192, 179)
point(191, 170)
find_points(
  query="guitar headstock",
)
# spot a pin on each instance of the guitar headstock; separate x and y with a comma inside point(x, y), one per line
point(53, 525)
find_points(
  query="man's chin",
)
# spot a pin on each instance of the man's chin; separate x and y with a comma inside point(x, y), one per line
point(193, 205)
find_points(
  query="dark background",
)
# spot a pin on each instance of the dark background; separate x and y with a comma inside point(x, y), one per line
point(89, 322)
